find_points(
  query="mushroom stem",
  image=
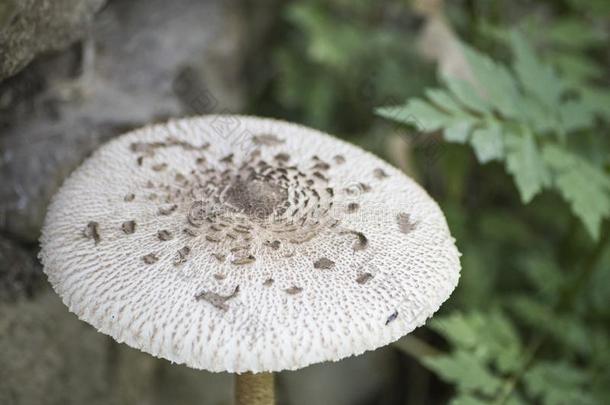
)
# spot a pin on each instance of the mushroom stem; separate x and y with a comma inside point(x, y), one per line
point(254, 389)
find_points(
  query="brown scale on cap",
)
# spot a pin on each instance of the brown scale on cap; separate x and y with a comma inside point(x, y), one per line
point(228, 158)
point(219, 257)
point(217, 300)
point(150, 258)
point(150, 147)
point(392, 317)
point(129, 227)
point(352, 207)
point(92, 231)
point(181, 255)
point(267, 140)
point(191, 233)
point(293, 290)
point(282, 157)
point(364, 278)
point(243, 260)
point(379, 173)
point(167, 210)
point(361, 242)
point(164, 235)
point(323, 263)
point(405, 225)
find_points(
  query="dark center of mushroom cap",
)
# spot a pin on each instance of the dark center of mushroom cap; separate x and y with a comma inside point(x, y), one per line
point(241, 206)
point(257, 198)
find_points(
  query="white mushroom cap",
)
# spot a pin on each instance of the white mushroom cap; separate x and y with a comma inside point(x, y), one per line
point(234, 243)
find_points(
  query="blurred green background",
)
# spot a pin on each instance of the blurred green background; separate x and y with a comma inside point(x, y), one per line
point(500, 109)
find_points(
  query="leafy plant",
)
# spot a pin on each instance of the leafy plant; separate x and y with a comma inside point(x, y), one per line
point(525, 165)
point(524, 117)
point(544, 130)
point(334, 65)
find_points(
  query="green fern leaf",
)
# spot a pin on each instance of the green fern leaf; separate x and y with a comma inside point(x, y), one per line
point(459, 131)
point(524, 162)
point(488, 143)
point(583, 185)
point(465, 370)
point(419, 114)
point(496, 81)
point(467, 94)
point(558, 383)
point(537, 78)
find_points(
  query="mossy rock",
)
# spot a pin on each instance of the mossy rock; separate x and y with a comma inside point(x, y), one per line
point(31, 27)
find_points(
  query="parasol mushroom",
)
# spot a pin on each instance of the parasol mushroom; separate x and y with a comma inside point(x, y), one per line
point(247, 245)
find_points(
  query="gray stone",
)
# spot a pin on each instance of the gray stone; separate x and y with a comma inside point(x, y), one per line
point(50, 357)
point(144, 61)
point(30, 27)
point(47, 356)
point(20, 274)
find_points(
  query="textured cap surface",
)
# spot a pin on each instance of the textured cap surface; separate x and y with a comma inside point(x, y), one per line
point(233, 243)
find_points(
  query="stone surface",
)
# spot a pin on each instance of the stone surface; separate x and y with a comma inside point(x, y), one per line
point(50, 357)
point(144, 61)
point(30, 27)
point(20, 274)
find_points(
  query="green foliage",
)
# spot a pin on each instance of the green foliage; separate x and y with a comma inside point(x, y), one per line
point(334, 67)
point(586, 187)
point(488, 358)
point(529, 320)
point(521, 117)
point(559, 383)
point(486, 349)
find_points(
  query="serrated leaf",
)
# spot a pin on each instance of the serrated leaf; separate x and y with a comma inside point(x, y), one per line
point(490, 336)
point(576, 68)
point(445, 101)
point(467, 94)
point(534, 114)
point(496, 82)
point(488, 143)
point(465, 370)
point(597, 100)
point(417, 113)
point(575, 115)
point(558, 383)
point(583, 185)
point(459, 131)
point(524, 162)
point(537, 78)
point(541, 272)
point(565, 329)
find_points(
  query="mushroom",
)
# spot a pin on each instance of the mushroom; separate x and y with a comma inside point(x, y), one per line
point(252, 264)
